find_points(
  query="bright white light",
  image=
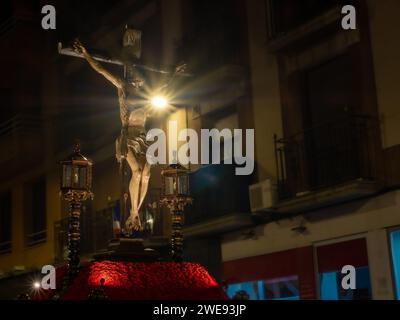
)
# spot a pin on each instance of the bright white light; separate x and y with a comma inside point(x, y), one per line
point(159, 102)
point(36, 285)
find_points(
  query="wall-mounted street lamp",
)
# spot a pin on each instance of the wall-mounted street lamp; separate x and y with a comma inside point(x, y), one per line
point(159, 102)
point(76, 185)
point(176, 196)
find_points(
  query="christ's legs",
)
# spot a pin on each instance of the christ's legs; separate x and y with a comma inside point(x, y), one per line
point(144, 183)
point(134, 189)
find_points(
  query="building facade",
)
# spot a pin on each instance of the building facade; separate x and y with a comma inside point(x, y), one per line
point(324, 193)
point(322, 102)
point(49, 101)
point(327, 96)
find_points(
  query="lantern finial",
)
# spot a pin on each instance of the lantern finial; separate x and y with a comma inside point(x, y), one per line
point(77, 146)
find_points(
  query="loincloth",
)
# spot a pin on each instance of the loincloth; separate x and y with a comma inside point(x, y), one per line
point(132, 138)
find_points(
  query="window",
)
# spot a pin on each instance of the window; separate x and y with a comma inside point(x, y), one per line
point(332, 258)
point(329, 140)
point(395, 249)
point(286, 15)
point(282, 289)
point(274, 289)
point(5, 222)
point(35, 212)
point(330, 286)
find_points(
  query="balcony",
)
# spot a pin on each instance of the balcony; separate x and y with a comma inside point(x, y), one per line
point(326, 164)
point(221, 201)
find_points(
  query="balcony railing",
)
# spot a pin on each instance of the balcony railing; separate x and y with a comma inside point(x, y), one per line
point(330, 154)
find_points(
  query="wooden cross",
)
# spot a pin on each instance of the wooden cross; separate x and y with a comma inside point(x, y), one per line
point(132, 43)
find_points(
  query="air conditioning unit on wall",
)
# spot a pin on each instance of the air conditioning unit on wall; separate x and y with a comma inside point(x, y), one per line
point(263, 196)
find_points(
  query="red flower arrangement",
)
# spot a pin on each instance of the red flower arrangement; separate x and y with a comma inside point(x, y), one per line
point(143, 281)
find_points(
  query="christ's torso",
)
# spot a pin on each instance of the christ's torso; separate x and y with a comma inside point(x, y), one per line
point(137, 118)
point(132, 107)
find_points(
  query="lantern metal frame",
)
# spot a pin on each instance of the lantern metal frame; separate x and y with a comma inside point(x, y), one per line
point(75, 189)
point(176, 201)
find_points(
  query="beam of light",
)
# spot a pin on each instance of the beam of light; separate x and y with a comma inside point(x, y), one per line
point(159, 102)
point(36, 285)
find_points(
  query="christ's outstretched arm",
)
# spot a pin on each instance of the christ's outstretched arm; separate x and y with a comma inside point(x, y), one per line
point(116, 81)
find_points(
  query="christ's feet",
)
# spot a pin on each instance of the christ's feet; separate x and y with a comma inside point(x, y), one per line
point(133, 223)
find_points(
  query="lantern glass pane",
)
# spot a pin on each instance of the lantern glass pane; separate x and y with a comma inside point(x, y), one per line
point(170, 186)
point(89, 177)
point(82, 177)
point(75, 177)
point(66, 178)
point(183, 187)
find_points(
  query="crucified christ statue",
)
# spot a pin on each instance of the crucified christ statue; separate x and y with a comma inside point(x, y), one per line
point(131, 145)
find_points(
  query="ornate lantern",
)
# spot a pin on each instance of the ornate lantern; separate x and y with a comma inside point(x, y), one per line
point(76, 178)
point(175, 195)
point(76, 184)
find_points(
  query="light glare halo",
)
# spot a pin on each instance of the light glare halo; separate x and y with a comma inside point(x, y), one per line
point(159, 102)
